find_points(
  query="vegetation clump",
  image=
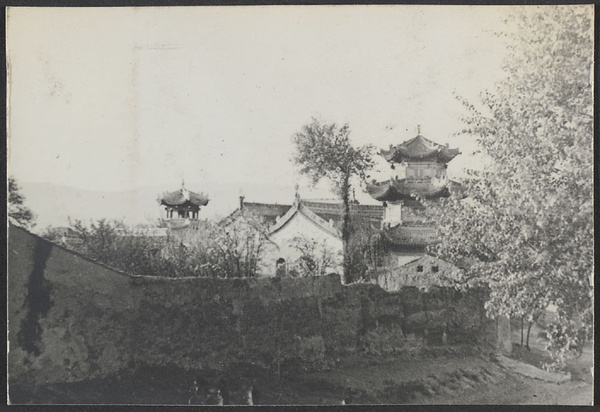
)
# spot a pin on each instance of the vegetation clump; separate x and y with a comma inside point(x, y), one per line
point(526, 226)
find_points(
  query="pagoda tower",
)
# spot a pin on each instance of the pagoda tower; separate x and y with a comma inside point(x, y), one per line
point(418, 171)
point(182, 203)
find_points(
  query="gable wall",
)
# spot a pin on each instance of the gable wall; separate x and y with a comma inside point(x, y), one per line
point(395, 276)
point(300, 226)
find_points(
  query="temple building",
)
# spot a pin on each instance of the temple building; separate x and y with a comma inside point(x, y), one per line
point(314, 221)
point(418, 171)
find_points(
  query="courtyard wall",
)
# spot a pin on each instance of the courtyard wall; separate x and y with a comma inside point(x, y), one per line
point(71, 319)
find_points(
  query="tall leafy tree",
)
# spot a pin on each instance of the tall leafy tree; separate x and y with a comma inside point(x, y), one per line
point(325, 151)
point(527, 224)
point(16, 205)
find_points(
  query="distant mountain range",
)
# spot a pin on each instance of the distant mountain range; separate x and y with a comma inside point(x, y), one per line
point(55, 204)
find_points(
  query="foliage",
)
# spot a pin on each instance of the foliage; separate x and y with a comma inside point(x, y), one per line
point(237, 249)
point(325, 151)
point(316, 258)
point(113, 243)
point(527, 224)
point(17, 210)
point(211, 251)
point(365, 249)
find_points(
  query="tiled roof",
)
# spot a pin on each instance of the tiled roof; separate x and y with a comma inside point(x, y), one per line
point(419, 148)
point(183, 197)
point(321, 212)
point(407, 189)
point(335, 211)
point(308, 213)
point(268, 211)
point(329, 215)
point(325, 210)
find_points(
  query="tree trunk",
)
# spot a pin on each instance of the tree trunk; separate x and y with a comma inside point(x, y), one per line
point(521, 331)
point(528, 331)
point(346, 227)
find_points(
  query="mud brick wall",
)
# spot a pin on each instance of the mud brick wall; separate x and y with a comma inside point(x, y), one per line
point(72, 319)
point(213, 323)
point(68, 318)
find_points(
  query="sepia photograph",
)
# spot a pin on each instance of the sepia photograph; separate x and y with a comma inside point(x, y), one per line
point(300, 205)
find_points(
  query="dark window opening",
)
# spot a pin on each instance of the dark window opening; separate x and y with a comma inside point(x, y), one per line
point(435, 269)
point(280, 267)
point(419, 268)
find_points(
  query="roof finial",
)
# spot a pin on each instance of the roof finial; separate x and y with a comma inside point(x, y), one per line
point(419, 129)
point(182, 183)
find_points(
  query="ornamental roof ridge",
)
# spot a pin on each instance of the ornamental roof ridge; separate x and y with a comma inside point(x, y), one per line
point(284, 219)
point(271, 205)
point(299, 207)
point(305, 210)
point(419, 148)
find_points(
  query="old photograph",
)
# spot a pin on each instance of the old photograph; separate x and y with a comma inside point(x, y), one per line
point(300, 205)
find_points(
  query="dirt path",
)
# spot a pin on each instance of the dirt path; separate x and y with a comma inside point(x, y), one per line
point(569, 393)
point(450, 378)
point(578, 390)
point(441, 380)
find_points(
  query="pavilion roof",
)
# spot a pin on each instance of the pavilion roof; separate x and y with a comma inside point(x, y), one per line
point(407, 189)
point(419, 148)
point(183, 197)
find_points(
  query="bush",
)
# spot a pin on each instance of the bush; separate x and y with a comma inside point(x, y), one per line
point(211, 252)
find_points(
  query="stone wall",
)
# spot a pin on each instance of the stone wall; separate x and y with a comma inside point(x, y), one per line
point(72, 319)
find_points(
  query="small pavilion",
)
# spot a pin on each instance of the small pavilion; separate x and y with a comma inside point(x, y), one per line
point(182, 203)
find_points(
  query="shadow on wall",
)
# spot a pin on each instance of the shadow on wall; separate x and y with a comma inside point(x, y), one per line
point(37, 302)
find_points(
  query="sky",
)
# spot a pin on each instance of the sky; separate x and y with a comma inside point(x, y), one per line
point(113, 99)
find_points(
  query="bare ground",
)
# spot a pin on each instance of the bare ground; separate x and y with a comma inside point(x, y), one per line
point(447, 376)
point(443, 380)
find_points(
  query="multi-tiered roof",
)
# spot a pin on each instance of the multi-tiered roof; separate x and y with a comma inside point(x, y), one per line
point(407, 189)
point(419, 148)
point(414, 151)
point(424, 163)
